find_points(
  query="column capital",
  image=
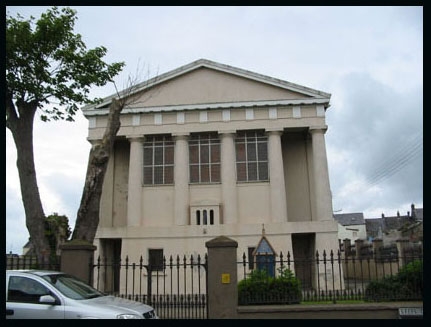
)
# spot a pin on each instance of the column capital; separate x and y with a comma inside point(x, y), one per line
point(181, 136)
point(226, 133)
point(274, 131)
point(318, 129)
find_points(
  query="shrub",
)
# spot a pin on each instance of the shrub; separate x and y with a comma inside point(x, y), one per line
point(406, 285)
point(260, 288)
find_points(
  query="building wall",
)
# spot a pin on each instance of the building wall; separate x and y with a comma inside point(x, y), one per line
point(296, 175)
point(347, 232)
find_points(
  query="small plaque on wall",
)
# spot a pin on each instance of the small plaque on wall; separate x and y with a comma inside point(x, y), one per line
point(225, 278)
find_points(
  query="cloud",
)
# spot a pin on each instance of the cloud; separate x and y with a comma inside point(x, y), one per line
point(374, 130)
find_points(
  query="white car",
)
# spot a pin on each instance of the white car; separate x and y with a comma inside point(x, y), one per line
point(36, 294)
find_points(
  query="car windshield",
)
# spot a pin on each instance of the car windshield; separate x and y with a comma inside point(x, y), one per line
point(72, 287)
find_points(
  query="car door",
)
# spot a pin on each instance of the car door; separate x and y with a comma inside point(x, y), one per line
point(23, 294)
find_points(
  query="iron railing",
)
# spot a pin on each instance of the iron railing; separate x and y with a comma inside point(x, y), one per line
point(30, 262)
point(177, 289)
point(329, 276)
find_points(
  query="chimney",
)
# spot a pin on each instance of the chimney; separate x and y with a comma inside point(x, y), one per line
point(398, 213)
point(413, 211)
point(383, 215)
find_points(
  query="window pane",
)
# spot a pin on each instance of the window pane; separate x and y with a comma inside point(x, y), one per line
point(198, 217)
point(169, 174)
point(22, 289)
point(251, 152)
point(215, 173)
point(193, 154)
point(194, 174)
point(156, 259)
point(148, 175)
point(158, 155)
point(215, 153)
point(251, 137)
point(262, 149)
point(205, 218)
point(211, 217)
point(205, 173)
point(252, 171)
point(241, 172)
point(263, 171)
point(148, 156)
point(204, 154)
point(240, 152)
point(158, 175)
point(169, 155)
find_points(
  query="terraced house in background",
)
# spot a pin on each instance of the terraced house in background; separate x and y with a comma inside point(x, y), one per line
point(216, 150)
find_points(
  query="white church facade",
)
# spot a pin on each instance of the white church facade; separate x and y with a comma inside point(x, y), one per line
point(216, 150)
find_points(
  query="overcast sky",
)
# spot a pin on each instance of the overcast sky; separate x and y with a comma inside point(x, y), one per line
point(369, 58)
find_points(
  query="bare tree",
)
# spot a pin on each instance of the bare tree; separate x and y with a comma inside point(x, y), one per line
point(87, 219)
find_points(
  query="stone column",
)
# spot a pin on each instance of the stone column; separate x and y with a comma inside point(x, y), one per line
point(276, 177)
point(322, 191)
point(402, 244)
point(347, 244)
point(228, 178)
point(377, 244)
point(358, 246)
point(222, 278)
point(181, 175)
point(134, 195)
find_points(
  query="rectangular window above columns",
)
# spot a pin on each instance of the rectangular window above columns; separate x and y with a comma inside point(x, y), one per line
point(204, 158)
point(158, 160)
point(251, 156)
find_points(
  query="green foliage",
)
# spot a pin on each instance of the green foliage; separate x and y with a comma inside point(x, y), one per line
point(46, 60)
point(407, 284)
point(57, 231)
point(261, 288)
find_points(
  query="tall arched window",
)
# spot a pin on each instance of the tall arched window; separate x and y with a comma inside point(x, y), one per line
point(198, 217)
point(205, 222)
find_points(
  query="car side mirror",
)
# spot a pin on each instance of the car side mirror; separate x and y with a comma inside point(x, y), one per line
point(48, 299)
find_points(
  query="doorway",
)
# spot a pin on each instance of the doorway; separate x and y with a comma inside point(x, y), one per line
point(303, 254)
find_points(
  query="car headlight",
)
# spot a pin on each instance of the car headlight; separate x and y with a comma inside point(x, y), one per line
point(128, 316)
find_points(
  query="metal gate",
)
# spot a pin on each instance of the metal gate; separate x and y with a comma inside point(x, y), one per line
point(176, 288)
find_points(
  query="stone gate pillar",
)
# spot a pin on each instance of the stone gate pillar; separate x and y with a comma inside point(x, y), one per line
point(222, 278)
point(76, 257)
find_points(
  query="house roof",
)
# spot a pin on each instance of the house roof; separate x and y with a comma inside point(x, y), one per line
point(313, 93)
point(372, 226)
point(347, 219)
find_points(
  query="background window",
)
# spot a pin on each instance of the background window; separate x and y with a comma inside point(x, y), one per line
point(204, 158)
point(155, 259)
point(251, 156)
point(158, 160)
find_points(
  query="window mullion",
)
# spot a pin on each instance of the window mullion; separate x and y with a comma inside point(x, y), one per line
point(199, 157)
point(163, 161)
point(257, 160)
point(154, 161)
point(246, 156)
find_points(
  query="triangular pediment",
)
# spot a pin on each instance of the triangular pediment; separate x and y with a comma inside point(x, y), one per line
point(204, 81)
point(264, 248)
point(206, 85)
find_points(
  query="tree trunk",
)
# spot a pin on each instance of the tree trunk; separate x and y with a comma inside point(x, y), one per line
point(22, 132)
point(87, 219)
